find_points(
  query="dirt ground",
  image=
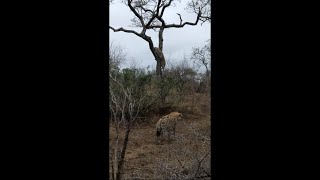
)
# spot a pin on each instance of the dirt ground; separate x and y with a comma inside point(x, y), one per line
point(144, 159)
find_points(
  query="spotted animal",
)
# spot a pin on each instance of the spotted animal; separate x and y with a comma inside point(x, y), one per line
point(161, 57)
point(167, 124)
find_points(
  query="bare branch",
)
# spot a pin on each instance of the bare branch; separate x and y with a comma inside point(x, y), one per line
point(203, 7)
point(135, 12)
point(208, 174)
point(144, 9)
point(125, 30)
point(180, 18)
point(123, 100)
point(199, 177)
point(142, 35)
point(124, 91)
point(176, 25)
point(199, 163)
point(158, 7)
point(178, 160)
point(164, 7)
point(154, 14)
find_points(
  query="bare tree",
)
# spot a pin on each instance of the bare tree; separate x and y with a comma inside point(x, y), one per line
point(202, 57)
point(124, 107)
point(116, 56)
point(149, 15)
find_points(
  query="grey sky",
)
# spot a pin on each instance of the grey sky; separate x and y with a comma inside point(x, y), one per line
point(177, 41)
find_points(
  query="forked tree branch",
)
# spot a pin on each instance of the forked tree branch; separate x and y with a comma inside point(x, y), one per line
point(135, 12)
point(154, 15)
point(142, 35)
point(164, 7)
point(177, 25)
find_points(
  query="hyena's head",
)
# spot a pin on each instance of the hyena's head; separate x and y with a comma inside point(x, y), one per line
point(176, 114)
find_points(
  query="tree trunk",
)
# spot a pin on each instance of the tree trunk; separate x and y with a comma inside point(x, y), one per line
point(123, 152)
point(158, 68)
point(163, 98)
point(208, 81)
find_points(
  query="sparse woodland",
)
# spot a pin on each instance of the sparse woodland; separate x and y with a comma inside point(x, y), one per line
point(139, 96)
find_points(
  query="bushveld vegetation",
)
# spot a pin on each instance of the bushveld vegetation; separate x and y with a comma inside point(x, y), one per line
point(136, 105)
point(139, 97)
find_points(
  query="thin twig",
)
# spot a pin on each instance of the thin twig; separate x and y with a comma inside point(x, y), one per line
point(180, 18)
point(179, 161)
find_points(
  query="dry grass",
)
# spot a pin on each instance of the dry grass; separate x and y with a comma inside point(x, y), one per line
point(178, 159)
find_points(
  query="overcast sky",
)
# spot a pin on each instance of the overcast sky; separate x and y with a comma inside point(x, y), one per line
point(177, 41)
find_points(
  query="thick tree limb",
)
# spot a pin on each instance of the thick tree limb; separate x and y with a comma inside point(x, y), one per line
point(142, 35)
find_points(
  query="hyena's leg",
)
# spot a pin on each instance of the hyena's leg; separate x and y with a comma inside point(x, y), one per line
point(158, 136)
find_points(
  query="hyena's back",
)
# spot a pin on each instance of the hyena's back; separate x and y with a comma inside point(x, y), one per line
point(167, 124)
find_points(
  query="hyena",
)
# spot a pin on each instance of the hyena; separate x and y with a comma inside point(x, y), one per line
point(167, 124)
